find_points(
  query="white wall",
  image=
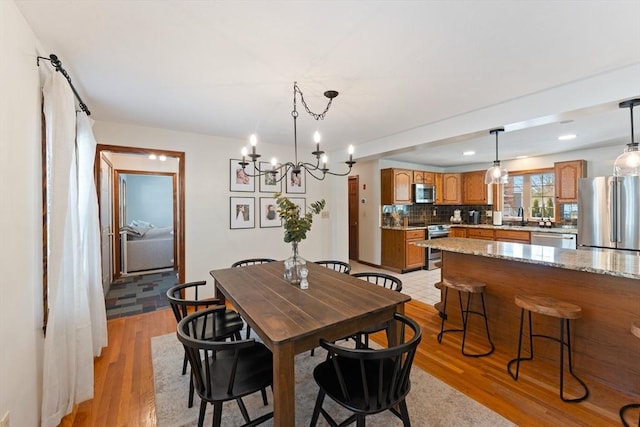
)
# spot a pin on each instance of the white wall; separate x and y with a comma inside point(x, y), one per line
point(21, 219)
point(210, 243)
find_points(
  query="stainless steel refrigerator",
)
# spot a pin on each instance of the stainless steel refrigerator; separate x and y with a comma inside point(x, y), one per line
point(609, 212)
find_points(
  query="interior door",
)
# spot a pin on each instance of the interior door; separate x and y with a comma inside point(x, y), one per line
point(106, 221)
point(354, 236)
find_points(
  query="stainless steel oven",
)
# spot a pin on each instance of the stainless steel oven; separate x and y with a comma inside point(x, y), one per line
point(434, 255)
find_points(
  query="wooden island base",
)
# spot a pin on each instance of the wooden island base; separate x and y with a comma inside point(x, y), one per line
point(603, 348)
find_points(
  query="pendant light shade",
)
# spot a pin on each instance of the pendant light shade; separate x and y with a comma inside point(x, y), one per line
point(628, 163)
point(496, 174)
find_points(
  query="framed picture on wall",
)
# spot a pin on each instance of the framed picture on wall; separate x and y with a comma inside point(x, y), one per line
point(268, 213)
point(302, 204)
point(238, 179)
point(296, 182)
point(270, 182)
point(242, 212)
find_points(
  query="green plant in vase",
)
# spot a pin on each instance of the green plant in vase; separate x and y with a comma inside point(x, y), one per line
point(296, 227)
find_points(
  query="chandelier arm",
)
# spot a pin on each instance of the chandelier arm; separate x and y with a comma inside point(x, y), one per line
point(340, 174)
point(319, 178)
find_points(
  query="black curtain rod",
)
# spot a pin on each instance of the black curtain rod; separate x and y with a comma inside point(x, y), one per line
point(56, 63)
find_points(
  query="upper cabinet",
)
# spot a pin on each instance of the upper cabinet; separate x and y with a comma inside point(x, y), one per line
point(395, 185)
point(451, 188)
point(566, 180)
point(439, 187)
point(474, 190)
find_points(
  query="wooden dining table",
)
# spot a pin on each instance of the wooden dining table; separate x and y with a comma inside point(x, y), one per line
point(290, 320)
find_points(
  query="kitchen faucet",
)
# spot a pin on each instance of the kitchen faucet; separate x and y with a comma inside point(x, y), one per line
point(521, 215)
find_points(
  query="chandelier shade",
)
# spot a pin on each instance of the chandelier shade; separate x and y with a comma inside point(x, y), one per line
point(319, 170)
point(496, 174)
point(628, 163)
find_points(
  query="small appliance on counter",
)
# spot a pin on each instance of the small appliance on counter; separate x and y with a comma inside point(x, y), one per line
point(474, 217)
point(457, 217)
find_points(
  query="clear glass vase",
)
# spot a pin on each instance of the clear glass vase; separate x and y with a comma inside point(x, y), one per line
point(295, 267)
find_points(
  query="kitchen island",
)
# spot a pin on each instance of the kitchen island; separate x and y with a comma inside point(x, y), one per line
point(605, 283)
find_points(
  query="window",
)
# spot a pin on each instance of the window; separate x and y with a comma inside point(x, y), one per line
point(534, 191)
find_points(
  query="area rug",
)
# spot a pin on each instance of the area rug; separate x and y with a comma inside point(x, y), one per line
point(430, 402)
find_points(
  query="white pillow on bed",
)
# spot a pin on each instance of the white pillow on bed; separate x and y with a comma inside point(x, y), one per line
point(140, 223)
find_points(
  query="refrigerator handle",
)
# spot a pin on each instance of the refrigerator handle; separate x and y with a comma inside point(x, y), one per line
point(617, 210)
point(613, 212)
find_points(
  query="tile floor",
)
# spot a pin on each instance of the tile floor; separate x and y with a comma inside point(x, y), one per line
point(139, 294)
point(418, 284)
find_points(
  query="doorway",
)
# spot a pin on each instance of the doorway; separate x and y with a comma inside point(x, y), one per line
point(109, 159)
point(354, 234)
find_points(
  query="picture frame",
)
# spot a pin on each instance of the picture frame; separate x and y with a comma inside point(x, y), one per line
point(242, 212)
point(296, 183)
point(302, 204)
point(270, 183)
point(268, 213)
point(238, 179)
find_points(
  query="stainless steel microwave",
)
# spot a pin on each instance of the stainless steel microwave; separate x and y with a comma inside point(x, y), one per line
point(424, 193)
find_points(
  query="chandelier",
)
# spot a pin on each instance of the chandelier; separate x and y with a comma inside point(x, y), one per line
point(319, 170)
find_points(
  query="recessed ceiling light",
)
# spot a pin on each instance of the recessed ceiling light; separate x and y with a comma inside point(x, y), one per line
point(152, 157)
point(468, 153)
point(566, 137)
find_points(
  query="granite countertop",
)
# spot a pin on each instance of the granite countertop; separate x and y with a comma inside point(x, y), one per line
point(598, 261)
point(559, 230)
point(403, 228)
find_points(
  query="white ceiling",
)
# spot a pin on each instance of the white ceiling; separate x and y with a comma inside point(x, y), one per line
point(227, 68)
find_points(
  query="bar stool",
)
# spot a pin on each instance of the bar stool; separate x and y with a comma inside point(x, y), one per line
point(469, 288)
point(555, 308)
point(635, 330)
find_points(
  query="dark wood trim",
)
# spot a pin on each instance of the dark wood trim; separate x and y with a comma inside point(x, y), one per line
point(179, 254)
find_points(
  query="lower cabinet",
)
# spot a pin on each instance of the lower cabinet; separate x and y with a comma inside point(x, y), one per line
point(498, 235)
point(398, 251)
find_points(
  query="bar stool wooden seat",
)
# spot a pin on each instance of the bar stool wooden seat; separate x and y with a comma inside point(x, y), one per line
point(469, 288)
point(635, 330)
point(552, 307)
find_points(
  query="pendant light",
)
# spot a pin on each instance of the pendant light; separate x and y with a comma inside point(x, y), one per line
point(628, 163)
point(496, 174)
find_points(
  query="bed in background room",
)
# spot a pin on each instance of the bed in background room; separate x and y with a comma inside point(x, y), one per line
point(145, 247)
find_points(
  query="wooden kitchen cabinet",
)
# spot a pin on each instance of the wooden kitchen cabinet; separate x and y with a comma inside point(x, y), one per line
point(395, 185)
point(452, 188)
point(437, 179)
point(516, 236)
point(398, 251)
point(566, 180)
point(457, 232)
point(474, 190)
point(480, 233)
point(423, 177)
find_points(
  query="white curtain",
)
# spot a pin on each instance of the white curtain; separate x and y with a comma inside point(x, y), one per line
point(90, 232)
point(68, 344)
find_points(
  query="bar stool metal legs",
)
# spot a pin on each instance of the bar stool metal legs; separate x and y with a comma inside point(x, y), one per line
point(564, 323)
point(465, 311)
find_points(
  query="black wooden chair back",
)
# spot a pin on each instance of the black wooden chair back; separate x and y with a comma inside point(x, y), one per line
point(252, 261)
point(224, 370)
point(382, 279)
point(368, 381)
point(340, 266)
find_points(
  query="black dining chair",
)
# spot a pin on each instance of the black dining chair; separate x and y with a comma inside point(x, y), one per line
point(227, 325)
point(251, 261)
point(224, 370)
point(340, 266)
point(368, 381)
point(386, 281)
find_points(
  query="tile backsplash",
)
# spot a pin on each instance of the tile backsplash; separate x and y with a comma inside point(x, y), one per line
point(430, 214)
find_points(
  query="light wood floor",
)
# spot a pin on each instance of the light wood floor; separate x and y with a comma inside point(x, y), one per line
point(124, 394)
